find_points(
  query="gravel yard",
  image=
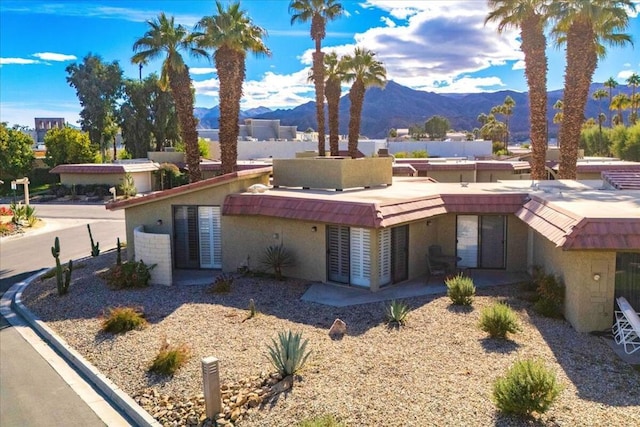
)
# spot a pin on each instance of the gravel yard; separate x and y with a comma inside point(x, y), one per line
point(437, 370)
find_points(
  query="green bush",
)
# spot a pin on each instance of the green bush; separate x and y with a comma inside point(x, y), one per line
point(551, 296)
point(123, 319)
point(169, 359)
point(277, 257)
point(498, 320)
point(460, 289)
point(222, 284)
point(397, 313)
point(327, 420)
point(400, 155)
point(419, 154)
point(288, 355)
point(527, 387)
point(133, 274)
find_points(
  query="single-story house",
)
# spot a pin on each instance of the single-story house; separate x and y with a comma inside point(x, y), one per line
point(141, 170)
point(348, 221)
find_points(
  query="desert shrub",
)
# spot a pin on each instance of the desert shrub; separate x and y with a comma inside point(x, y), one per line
point(170, 358)
point(527, 387)
point(123, 319)
point(397, 313)
point(276, 257)
point(132, 274)
point(419, 154)
point(222, 283)
point(128, 187)
point(5, 211)
point(460, 289)
point(288, 354)
point(400, 155)
point(7, 228)
point(498, 320)
point(326, 420)
point(547, 308)
point(551, 296)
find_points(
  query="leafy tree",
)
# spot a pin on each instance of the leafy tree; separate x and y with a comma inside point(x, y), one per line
point(231, 34)
point(98, 86)
point(529, 16)
point(16, 152)
point(626, 142)
point(417, 131)
point(634, 82)
point(594, 142)
point(165, 38)
point(334, 75)
point(437, 127)
point(67, 146)
point(318, 12)
point(583, 27)
point(393, 133)
point(611, 84)
point(363, 71)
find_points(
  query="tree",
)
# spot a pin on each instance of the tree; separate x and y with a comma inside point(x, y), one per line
point(362, 70)
point(165, 38)
point(626, 142)
point(16, 152)
point(493, 129)
point(98, 86)
point(583, 26)
point(231, 34)
point(134, 117)
point(558, 106)
point(634, 82)
point(334, 74)
point(529, 16)
point(505, 109)
point(619, 103)
point(611, 84)
point(68, 146)
point(599, 95)
point(318, 12)
point(437, 127)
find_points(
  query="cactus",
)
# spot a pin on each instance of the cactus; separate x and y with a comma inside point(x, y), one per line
point(95, 248)
point(62, 282)
point(119, 250)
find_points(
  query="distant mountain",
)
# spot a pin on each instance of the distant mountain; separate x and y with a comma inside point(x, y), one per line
point(397, 106)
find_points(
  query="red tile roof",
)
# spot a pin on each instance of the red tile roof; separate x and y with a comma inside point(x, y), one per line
point(106, 168)
point(622, 180)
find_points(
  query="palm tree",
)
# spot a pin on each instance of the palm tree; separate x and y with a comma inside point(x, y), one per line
point(583, 26)
point(318, 12)
point(362, 70)
point(164, 38)
point(506, 109)
point(620, 103)
point(611, 83)
point(558, 106)
point(231, 34)
point(529, 16)
point(599, 95)
point(634, 82)
point(334, 74)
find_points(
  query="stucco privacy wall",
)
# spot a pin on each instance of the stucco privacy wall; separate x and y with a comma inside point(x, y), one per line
point(149, 214)
point(154, 249)
point(91, 179)
point(589, 303)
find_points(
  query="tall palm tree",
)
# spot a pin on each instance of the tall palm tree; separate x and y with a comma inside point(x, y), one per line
point(362, 70)
point(558, 106)
point(334, 74)
point(318, 12)
point(611, 84)
point(529, 17)
point(231, 34)
point(634, 82)
point(583, 26)
point(599, 95)
point(164, 38)
point(620, 102)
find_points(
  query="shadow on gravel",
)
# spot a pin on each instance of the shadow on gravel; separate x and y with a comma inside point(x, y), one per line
point(492, 345)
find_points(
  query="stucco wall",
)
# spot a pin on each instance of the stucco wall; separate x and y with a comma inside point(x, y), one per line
point(589, 304)
point(497, 175)
point(450, 175)
point(154, 249)
point(91, 179)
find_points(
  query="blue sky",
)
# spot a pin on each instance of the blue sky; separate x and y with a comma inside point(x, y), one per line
point(439, 46)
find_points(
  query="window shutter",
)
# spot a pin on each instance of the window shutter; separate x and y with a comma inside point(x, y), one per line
point(360, 257)
point(210, 237)
point(384, 256)
point(338, 253)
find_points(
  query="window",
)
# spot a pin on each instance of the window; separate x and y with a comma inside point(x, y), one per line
point(197, 237)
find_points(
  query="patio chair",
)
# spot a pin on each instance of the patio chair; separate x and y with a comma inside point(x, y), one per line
point(436, 268)
point(626, 329)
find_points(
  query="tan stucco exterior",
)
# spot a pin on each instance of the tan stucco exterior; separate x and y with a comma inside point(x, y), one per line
point(142, 180)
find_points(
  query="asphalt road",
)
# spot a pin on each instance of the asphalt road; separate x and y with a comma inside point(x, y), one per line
point(32, 394)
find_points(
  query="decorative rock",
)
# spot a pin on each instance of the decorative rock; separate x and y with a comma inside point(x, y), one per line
point(338, 329)
point(235, 414)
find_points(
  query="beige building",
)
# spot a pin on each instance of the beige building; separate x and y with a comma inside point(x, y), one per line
point(348, 222)
point(109, 173)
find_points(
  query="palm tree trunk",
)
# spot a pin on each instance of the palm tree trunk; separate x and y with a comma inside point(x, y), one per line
point(180, 83)
point(356, 96)
point(581, 63)
point(533, 45)
point(231, 70)
point(332, 93)
point(318, 78)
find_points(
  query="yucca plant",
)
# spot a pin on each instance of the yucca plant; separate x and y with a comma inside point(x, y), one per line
point(460, 289)
point(397, 313)
point(527, 387)
point(498, 320)
point(289, 353)
point(277, 257)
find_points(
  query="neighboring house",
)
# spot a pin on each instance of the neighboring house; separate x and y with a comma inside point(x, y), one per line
point(109, 173)
point(349, 222)
point(45, 124)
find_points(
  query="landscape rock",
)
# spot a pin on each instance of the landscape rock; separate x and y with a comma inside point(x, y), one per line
point(338, 329)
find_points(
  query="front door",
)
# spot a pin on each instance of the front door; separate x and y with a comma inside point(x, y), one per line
point(197, 237)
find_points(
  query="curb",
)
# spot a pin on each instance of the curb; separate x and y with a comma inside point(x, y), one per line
point(13, 299)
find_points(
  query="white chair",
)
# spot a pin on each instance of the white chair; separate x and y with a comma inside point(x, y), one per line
point(626, 329)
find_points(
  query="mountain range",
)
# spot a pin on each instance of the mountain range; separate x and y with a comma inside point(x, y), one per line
point(397, 106)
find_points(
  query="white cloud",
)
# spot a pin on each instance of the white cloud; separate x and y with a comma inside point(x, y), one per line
point(18, 61)
point(518, 65)
point(388, 21)
point(624, 75)
point(50, 56)
point(201, 70)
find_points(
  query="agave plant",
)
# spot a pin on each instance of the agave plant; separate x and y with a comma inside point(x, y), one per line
point(397, 313)
point(288, 354)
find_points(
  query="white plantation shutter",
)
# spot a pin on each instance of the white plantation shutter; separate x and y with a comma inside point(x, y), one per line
point(360, 256)
point(384, 256)
point(210, 237)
